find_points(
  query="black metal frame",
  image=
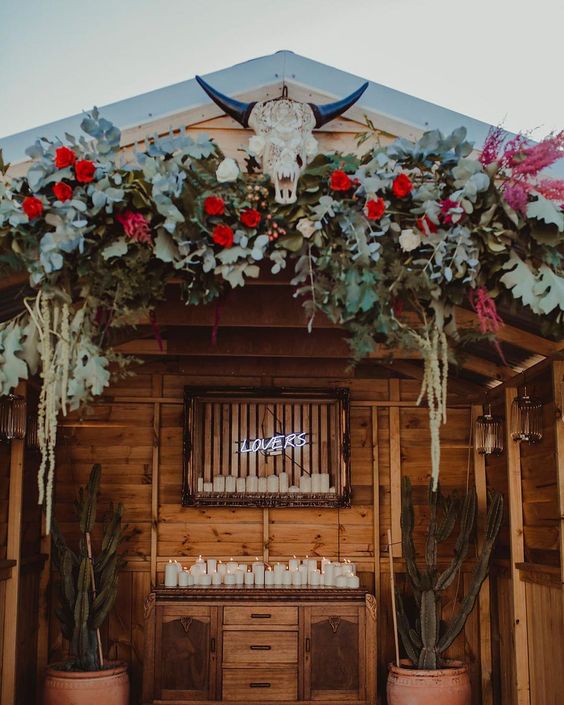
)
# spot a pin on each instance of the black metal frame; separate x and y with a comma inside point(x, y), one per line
point(190, 496)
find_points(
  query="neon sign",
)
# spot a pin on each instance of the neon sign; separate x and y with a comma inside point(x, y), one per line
point(273, 445)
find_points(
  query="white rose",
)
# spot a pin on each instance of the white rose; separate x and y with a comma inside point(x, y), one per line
point(306, 227)
point(311, 146)
point(409, 240)
point(227, 171)
point(256, 145)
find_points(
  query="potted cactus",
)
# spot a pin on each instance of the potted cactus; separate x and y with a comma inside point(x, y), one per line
point(427, 677)
point(87, 592)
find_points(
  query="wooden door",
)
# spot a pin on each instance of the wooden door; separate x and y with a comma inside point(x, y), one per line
point(334, 652)
point(186, 652)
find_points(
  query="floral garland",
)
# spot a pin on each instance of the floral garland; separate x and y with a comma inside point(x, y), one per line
point(386, 245)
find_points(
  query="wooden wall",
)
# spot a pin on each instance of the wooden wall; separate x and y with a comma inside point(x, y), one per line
point(136, 433)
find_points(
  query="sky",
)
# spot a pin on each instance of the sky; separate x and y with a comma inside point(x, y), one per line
point(500, 61)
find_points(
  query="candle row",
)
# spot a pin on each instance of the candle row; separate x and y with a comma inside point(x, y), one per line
point(317, 482)
point(297, 573)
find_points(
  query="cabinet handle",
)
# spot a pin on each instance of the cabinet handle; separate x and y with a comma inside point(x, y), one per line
point(258, 615)
point(260, 647)
point(308, 645)
point(212, 646)
point(259, 685)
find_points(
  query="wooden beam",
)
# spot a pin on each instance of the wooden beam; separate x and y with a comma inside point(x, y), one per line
point(487, 368)
point(479, 463)
point(157, 389)
point(517, 548)
point(395, 469)
point(376, 523)
point(13, 546)
point(461, 387)
point(558, 387)
point(43, 609)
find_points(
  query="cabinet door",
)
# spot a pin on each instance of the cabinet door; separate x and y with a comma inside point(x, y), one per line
point(333, 650)
point(185, 653)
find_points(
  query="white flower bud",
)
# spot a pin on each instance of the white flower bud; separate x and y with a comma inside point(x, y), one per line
point(227, 171)
point(409, 240)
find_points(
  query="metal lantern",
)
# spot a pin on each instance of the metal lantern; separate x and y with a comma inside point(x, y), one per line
point(526, 418)
point(488, 434)
point(13, 411)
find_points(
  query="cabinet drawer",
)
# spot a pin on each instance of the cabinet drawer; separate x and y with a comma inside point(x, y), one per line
point(266, 684)
point(260, 615)
point(260, 647)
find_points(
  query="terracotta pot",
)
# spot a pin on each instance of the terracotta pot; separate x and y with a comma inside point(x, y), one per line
point(107, 687)
point(446, 686)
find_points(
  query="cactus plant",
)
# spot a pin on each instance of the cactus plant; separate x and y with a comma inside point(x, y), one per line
point(426, 641)
point(88, 585)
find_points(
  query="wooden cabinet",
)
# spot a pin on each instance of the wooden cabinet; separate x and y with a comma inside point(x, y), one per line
point(259, 645)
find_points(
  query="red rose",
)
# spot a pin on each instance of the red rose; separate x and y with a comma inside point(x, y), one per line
point(62, 191)
point(32, 207)
point(213, 205)
point(340, 181)
point(64, 157)
point(84, 170)
point(374, 209)
point(402, 186)
point(250, 217)
point(426, 225)
point(223, 235)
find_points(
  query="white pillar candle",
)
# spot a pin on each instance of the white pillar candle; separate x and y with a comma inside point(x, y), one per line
point(219, 483)
point(183, 577)
point(262, 484)
point(217, 578)
point(240, 485)
point(316, 482)
point(341, 581)
point(257, 563)
point(269, 578)
point(353, 581)
point(324, 562)
point(272, 483)
point(201, 562)
point(293, 489)
point(232, 565)
point(324, 481)
point(229, 578)
point(208, 487)
point(287, 578)
point(171, 575)
point(294, 563)
point(278, 569)
point(311, 563)
point(283, 482)
point(302, 570)
point(221, 568)
point(243, 567)
point(296, 578)
point(252, 483)
point(230, 483)
point(329, 575)
point(200, 484)
point(332, 490)
point(239, 578)
point(259, 574)
point(204, 580)
point(314, 578)
point(249, 578)
point(336, 569)
point(305, 484)
point(212, 565)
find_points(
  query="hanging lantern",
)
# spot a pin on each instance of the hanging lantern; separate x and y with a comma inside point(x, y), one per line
point(31, 435)
point(526, 418)
point(488, 434)
point(13, 410)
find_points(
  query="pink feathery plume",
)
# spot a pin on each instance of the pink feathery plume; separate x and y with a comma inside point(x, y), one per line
point(516, 193)
point(488, 317)
point(529, 161)
point(135, 226)
point(492, 145)
point(156, 330)
point(553, 189)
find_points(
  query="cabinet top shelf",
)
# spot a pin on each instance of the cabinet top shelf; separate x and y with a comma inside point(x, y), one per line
point(259, 594)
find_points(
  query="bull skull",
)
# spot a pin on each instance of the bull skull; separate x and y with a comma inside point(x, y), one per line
point(283, 141)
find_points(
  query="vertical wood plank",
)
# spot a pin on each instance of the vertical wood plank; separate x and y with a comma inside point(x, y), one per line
point(479, 462)
point(519, 604)
point(13, 544)
point(395, 469)
point(43, 607)
point(558, 387)
point(375, 529)
point(265, 535)
point(157, 385)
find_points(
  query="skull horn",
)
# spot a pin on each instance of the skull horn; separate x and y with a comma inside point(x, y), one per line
point(325, 113)
point(235, 108)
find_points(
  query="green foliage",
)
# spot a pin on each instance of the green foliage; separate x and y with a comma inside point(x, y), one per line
point(79, 612)
point(426, 641)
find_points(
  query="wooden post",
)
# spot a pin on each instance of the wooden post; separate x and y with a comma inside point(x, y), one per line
point(519, 604)
point(157, 389)
point(393, 591)
point(484, 598)
point(558, 387)
point(376, 523)
point(395, 469)
point(43, 609)
point(13, 544)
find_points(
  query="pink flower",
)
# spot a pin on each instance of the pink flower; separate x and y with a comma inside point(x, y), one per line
point(135, 226)
point(516, 193)
point(485, 308)
point(530, 160)
point(446, 206)
point(553, 189)
point(492, 145)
